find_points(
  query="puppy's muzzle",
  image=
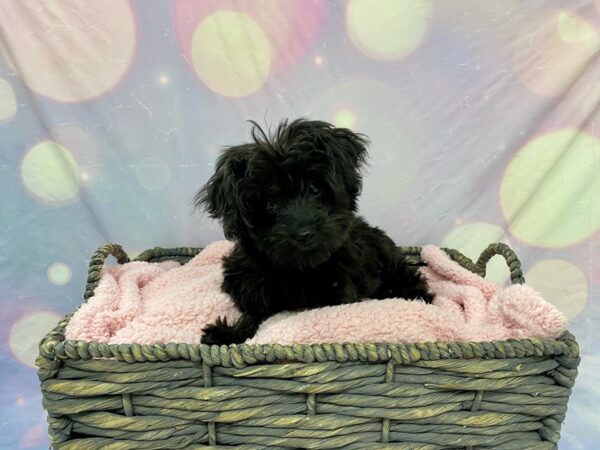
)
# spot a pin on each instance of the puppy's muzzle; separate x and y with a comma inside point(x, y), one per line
point(301, 219)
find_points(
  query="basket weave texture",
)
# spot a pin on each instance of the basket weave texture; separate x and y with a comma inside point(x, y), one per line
point(447, 395)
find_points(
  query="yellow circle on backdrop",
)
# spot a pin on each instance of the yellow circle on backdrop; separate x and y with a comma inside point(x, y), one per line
point(231, 53)
point(388, 29)
point(69, 50)
point(50, 172)
point(561, 283)
point(345, 118)
point(573, 29)
point(27, 332)
point(473, 238)
point(8, 100)
point(59, 273)
point(551, 189)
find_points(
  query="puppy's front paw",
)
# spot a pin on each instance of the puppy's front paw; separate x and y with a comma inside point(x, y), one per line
point(411, 292)
point(419, 292)
point(219, 333)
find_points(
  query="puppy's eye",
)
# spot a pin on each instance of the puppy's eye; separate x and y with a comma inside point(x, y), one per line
point(314, 190)
point(271, 207)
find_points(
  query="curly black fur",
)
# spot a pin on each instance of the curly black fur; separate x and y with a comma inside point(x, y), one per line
point(289, 201)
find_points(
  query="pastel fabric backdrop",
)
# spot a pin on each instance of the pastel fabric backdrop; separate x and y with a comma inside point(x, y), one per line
point(483, 117)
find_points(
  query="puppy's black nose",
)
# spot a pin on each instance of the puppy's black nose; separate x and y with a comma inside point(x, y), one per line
point(306, 235)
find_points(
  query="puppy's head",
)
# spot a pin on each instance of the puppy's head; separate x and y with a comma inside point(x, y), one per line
point(290, 195)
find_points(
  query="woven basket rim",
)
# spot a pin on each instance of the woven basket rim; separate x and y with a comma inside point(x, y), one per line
point(54, 348)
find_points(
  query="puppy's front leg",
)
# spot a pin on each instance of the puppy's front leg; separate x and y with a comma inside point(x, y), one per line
point(221, 333)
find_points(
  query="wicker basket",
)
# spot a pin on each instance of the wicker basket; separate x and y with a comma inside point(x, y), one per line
point(507, 394)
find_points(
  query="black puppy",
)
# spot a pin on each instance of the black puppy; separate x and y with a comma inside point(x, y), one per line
point(289, 200)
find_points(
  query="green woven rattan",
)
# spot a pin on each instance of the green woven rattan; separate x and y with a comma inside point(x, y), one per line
point(506, 394)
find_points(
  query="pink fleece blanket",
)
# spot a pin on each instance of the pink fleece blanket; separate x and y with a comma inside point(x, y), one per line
point(150, 303)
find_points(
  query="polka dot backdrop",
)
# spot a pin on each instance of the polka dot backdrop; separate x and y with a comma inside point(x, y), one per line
point(483, 118)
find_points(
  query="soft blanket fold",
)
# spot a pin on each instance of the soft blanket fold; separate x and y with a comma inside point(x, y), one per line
point(150, 303)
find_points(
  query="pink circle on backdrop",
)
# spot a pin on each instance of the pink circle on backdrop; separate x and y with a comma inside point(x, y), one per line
point(36, 436)
point(291, 27)
point(70, 51)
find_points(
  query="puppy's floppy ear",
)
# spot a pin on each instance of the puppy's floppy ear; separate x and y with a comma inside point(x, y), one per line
point(353, 145)
point(349, 155)
point(220, 195)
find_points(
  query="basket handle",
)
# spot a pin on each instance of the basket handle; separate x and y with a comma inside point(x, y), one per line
point(498, 248)
point(97, 263)
point(514, 265)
